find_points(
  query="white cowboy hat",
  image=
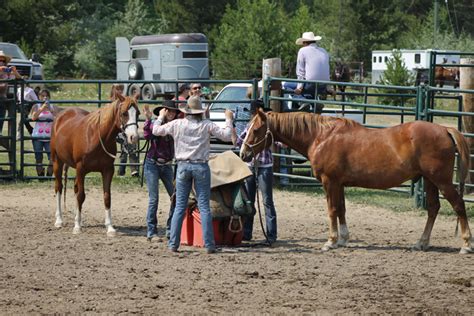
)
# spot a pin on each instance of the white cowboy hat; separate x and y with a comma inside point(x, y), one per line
point(308, 37)
point(193, 106)
point(7, 58)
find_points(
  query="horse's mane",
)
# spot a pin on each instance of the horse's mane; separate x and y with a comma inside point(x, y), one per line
point(297, 124)
point(106, 113)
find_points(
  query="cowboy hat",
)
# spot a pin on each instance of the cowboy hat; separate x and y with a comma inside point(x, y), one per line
point(308, 37)
point(168, 104)
point(7, 58)
point(194, 106)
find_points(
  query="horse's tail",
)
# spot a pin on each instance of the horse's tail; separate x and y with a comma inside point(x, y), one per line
point(65, 169)
point(464, 157)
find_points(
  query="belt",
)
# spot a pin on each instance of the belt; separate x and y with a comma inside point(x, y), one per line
point(193, 161)
point(160, 161)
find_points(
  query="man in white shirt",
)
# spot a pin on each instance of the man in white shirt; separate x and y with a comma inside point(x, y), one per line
point(312, 64)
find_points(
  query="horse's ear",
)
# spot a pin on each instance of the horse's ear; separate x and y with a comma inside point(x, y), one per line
point(261, 113)
point(135, 97)
point(120, 97)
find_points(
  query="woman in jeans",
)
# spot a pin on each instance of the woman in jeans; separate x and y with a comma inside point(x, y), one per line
point(158, 165)
point(192, 145)
point(43, 114)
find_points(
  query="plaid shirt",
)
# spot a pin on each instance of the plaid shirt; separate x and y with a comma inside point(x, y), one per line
point(265, 158)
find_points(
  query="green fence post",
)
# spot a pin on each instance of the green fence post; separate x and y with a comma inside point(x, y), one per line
point(419, 188)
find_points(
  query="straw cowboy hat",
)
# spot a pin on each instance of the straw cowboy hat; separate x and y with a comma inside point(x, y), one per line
point(168, 104)
point(194, 106)
point(7, 58)
point(308, 37)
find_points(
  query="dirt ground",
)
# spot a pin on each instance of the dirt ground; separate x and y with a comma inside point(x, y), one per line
point(44, 270)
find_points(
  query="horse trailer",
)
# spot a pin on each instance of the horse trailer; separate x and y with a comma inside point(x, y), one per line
point(416, 61)
point(163, 57)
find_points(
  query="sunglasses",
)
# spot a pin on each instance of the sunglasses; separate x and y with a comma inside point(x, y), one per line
point(197, 88)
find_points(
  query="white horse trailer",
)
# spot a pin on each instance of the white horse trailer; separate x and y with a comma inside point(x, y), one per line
point(415, 60)
point(161, 57)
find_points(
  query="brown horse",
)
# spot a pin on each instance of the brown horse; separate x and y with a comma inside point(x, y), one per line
point(445, 75)
point(344, 153)
point(86, 142)
point(342, 73)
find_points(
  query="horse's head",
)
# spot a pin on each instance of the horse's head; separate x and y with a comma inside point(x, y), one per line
point(338, 70)
point(128, 117)
point(258, 137)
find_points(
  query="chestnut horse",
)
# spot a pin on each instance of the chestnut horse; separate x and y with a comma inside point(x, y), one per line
point(344, 153)
point(86, 142)
point(447, 75)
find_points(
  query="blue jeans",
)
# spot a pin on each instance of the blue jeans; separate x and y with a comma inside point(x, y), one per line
point(39, 147)
point(265, 184)
point(200, 174)
point(153, 173)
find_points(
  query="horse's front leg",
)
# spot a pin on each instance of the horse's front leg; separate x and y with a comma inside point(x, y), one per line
point(334, 197)
point(80, 197)
point(106, 183)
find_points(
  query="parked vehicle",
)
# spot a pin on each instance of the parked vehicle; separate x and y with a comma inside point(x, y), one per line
point(417, 61)
point(161, 57)
point(231, 92)
point(28, 68)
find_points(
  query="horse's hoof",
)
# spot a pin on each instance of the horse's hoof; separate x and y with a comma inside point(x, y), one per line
point(420, 247)
point(342, 242)
point(328, 246)
point(465, 250)
point(58, 224)
point(111, 233)
point(76, 230)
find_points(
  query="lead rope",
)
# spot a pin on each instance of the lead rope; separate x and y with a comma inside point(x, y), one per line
point(102, 144)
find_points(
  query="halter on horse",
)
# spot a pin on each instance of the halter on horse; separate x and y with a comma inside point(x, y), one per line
point(86, 142)
point(344, 153)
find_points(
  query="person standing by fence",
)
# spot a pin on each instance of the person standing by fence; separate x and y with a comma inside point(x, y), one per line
point(264, 175)
point(158, 165)
point(43, 114)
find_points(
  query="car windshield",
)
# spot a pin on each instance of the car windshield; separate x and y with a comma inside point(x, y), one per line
point(230, 93)
point(13, 51)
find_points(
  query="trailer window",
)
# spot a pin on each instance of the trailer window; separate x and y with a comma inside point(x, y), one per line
point(375, 59)
point(417, 58)
point(380, 59)
point(195, 54)
point(140, 54)
point(385, 59)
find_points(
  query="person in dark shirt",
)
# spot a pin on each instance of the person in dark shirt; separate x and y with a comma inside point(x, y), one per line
point(158, 165)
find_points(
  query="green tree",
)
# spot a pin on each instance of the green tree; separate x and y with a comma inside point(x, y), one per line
point(396, 74)
point(95, 57)
point(247, 34)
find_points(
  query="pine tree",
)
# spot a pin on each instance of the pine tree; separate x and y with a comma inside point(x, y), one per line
point(397, 74)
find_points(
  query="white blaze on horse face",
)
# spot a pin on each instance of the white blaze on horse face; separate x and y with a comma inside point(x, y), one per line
point(244, 148)
point(132, 129)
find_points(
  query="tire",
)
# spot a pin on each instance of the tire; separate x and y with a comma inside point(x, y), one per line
point(148, 92)
point(135, 89)
point(135, 70)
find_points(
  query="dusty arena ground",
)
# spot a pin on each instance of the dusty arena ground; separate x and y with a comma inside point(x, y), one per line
point(44, 270)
